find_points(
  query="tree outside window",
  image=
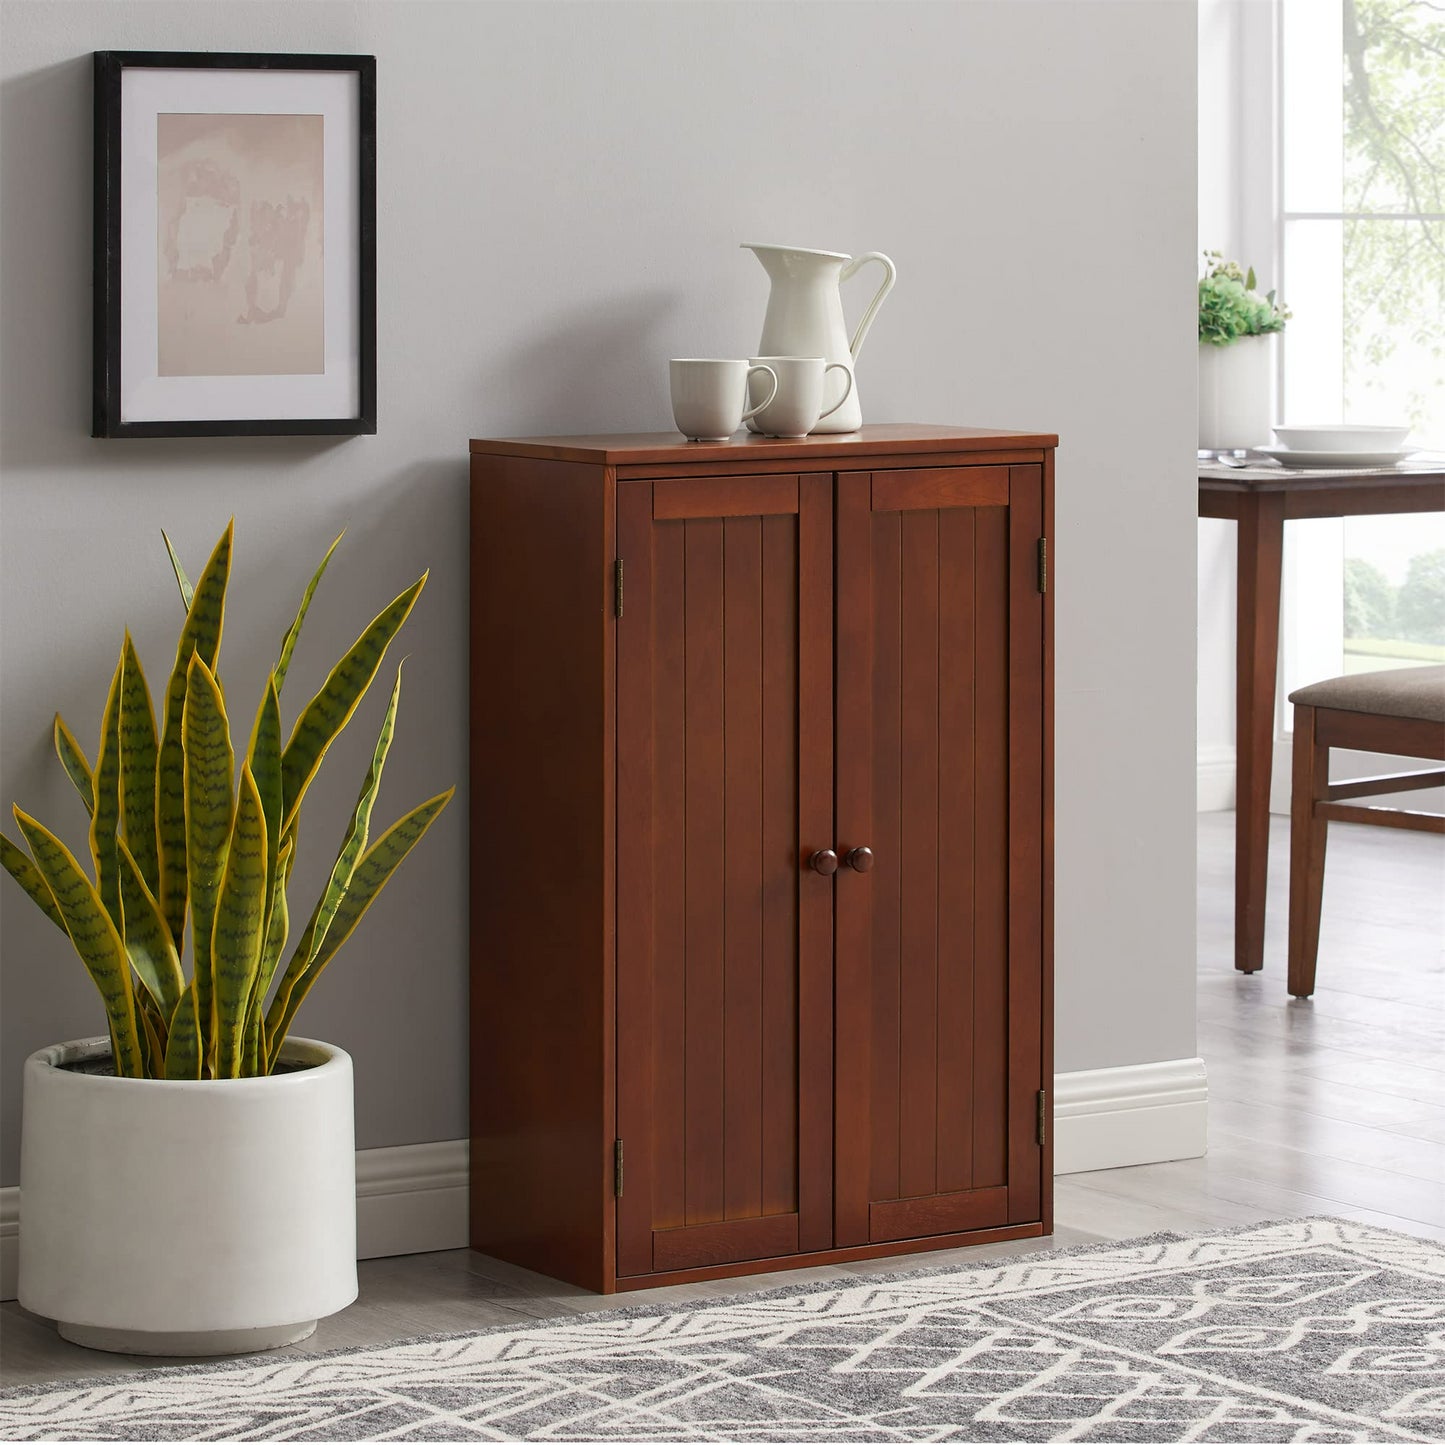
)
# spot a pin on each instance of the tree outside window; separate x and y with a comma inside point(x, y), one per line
point(1364, 272)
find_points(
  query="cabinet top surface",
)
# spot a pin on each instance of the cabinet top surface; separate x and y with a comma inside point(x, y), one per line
point(614, 448)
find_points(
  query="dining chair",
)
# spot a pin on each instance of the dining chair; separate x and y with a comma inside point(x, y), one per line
point(1401, 712)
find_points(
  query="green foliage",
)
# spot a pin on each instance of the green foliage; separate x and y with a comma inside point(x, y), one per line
point(1229, 305)
point(1369, 600)
point(1394, 165)
point(1420, 606)
point(207, 850)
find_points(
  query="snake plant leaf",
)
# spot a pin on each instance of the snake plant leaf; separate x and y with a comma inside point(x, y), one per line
point(105, 820)
point(372, 873)
point(330, 710)
point(240, 924)
point(263, 756)
point(183, 1046)
point(155, 1049)
point(138, 748)
point(182, 581)
point(73, 760)
point(200, 636)
point(27, 875)
point(278, 925)
point(288, 643)
point(351, 849)
point(207, 763)
point(356, 834)
point(147, 939)
point(94, 936)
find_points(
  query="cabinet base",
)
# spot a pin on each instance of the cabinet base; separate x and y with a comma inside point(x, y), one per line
point(1033, 1229)
point(888, 1250)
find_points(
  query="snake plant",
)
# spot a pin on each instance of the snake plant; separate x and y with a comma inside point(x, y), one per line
point(174, 835)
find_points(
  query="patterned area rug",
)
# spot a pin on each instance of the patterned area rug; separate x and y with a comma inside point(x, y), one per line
point(1311, 1330)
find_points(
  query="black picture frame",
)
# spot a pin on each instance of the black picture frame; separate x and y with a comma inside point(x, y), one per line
point(110, 299)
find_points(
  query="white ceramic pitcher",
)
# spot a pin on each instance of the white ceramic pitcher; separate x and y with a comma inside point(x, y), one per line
point(805, 316)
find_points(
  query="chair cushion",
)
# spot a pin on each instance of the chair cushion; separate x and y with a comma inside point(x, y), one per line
point(1417, 692)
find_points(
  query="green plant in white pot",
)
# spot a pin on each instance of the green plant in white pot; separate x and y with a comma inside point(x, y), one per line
point(1235, 356)
point(188, 1180)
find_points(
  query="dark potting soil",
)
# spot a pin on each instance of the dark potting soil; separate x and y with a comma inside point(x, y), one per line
point(103, 1066)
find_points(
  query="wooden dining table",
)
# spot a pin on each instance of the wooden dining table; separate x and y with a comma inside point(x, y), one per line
point(1261, 497)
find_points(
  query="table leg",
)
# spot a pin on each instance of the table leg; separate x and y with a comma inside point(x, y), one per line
point(1261, 549)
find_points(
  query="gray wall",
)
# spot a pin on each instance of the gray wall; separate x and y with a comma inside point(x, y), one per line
point(563, 188)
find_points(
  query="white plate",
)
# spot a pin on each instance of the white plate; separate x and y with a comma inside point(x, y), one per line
point(1290, 457)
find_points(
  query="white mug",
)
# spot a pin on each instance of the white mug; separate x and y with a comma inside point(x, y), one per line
point(797, 406)
point(709, 397)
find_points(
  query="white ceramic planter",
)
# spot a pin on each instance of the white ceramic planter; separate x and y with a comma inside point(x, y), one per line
point(1234, 394)
point(202, 1217)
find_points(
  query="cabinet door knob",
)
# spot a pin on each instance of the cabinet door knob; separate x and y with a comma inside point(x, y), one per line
point(860, 860)
point(824, 861)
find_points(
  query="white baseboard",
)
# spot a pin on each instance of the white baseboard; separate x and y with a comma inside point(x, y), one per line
point(1135, 1114)
point(1214, 788)
point(413, 1199)
point(9, 1240)
point(409, 1200)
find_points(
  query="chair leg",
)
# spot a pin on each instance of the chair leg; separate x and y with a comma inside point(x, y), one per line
point(1306, 852)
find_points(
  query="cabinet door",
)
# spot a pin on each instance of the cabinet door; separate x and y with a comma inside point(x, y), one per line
point(724, 936)
point(939, 772)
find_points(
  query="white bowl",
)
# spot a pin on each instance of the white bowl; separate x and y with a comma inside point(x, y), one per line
point(1342, 438)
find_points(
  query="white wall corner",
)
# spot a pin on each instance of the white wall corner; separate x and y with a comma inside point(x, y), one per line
point(409, 1200)
point(1215, 782)
point(1134, 1114)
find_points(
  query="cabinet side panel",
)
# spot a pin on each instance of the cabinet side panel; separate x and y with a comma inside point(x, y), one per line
point(541, 911)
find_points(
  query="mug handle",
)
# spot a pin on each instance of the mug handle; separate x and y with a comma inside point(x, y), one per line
point(847, 390)
point(753, 411)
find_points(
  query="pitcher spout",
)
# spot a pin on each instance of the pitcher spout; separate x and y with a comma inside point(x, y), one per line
point(795, 260)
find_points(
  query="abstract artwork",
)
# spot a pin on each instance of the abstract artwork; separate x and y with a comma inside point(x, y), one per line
point(234, 248)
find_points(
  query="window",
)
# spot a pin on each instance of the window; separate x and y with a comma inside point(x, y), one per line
point(1361, 242)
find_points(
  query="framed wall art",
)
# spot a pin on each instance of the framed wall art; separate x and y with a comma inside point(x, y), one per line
point(235, 244)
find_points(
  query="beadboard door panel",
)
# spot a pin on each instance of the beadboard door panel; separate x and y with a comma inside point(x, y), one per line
point(724, 669)
point(939, 677)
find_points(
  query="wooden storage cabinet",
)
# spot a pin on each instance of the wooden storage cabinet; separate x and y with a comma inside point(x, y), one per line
point(695, 669)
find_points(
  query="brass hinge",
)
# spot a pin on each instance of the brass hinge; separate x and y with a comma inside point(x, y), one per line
point(617, 586)
point(617, 1167)
point(1043, 1116)
point(1043, 564)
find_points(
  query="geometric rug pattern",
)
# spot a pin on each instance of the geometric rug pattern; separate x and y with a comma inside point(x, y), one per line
point(1315, 1330)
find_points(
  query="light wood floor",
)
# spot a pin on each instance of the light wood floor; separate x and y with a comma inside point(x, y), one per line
point(1332, 1106)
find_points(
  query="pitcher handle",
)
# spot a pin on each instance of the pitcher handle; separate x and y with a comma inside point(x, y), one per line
point(892, 275)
